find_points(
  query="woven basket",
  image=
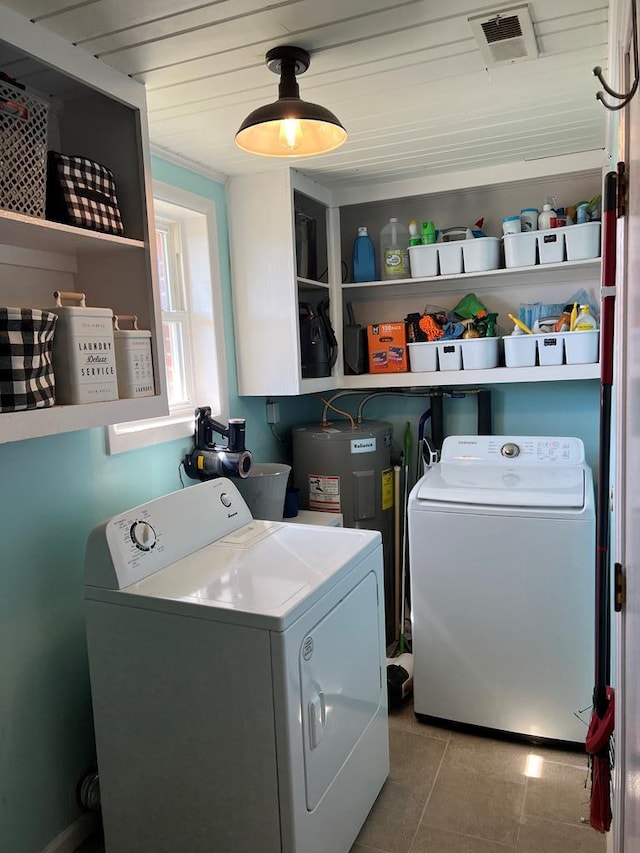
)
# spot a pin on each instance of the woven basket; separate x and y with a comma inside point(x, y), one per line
point(26, 372)
point(23, 151)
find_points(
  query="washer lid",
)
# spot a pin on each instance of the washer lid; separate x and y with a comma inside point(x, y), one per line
point(504, 485)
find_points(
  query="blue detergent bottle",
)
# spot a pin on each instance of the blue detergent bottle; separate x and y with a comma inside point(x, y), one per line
point(363, 265)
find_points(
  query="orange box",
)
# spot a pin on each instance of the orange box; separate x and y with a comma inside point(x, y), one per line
point(387, 348)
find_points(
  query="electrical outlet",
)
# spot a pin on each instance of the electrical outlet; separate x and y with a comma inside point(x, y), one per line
point(273, 413)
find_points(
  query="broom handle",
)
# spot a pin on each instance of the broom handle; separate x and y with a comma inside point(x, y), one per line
point(603, 614)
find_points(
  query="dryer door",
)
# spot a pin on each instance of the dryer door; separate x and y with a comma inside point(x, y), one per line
point(340, 674)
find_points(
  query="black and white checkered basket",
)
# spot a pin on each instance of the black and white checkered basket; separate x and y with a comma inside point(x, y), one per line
point(26, 372)
point(83, 193)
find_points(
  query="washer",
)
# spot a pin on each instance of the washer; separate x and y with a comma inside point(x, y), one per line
point(237, 675)
point(502, 555)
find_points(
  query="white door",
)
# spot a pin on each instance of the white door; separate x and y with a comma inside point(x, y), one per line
point(340, 672)
point(627, 814)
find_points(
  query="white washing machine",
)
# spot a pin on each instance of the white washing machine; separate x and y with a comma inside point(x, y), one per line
point(502, 556)
point(238, 678)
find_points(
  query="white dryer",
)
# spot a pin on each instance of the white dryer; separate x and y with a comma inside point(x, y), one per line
point(502, 557)
point(237, 675)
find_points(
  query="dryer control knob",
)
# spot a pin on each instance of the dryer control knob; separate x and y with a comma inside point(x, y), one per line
point(143, 535)
point(225, 500)
point(510, 450)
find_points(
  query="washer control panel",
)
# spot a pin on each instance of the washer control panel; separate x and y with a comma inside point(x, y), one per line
point(513, 450)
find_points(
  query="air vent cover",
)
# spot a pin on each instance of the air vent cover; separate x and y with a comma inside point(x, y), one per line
point(505, 36)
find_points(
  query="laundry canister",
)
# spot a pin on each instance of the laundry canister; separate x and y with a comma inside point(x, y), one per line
point(264, 489)
point(134, 365)
point(84, 360)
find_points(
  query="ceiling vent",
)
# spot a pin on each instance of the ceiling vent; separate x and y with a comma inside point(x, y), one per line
point(505, 36)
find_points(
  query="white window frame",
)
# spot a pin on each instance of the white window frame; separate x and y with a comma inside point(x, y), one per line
point(203, 292)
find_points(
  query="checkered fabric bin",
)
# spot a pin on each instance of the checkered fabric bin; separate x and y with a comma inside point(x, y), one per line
point(23, 150)
point(26, 372)
point(83, 193)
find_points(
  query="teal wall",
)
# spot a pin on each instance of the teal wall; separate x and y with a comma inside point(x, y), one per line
point(55, 489)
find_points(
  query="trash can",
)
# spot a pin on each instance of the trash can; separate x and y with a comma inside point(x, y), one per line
point(264, 489)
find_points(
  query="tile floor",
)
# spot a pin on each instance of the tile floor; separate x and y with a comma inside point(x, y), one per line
point(456, 793)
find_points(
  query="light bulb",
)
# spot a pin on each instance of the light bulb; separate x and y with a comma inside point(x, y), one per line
point(290, 136)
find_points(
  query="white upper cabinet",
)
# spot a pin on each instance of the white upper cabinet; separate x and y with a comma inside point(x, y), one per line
point(97, 113)
point(281, 264)
point(272, 297)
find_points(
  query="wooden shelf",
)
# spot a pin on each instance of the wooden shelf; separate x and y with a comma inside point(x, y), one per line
point(28, 232)
point(311, 284)
point(493, 277)
point(56, 419)
point(494, 376)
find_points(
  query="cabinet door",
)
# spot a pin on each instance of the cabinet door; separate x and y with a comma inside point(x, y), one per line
point(278, 237)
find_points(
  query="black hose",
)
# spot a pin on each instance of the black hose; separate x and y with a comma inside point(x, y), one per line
point(437, 421)
point(484, 412)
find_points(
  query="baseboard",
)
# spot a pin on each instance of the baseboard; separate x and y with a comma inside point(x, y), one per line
point(74, 835)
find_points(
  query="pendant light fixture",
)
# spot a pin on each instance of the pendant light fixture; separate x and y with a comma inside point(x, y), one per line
point(290, 127)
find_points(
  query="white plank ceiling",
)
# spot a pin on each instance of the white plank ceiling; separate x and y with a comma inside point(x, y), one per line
point(405, 77)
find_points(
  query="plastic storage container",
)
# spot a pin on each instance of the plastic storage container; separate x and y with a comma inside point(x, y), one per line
point(519, 350)
point(582, 241)
point(449, 355)
point(550, 348)
point(529, 219)
point(511, 225)
point(479, 353)
point(551, 245)
point(394, 254)
point(423, 356)
point(134, 366)
point(520, 250)
point(480, 254)
point(450, 257)
point(423, 261)
point(84, 359)
point(581, 347)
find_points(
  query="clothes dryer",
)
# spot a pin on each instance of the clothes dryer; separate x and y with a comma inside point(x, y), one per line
point(237, 675)
point(502, 557)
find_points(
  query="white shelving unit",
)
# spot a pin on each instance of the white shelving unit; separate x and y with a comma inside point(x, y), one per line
point(100, 114)
point(267, 289)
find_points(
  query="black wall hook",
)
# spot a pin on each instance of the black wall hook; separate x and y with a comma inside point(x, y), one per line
point(623, 98)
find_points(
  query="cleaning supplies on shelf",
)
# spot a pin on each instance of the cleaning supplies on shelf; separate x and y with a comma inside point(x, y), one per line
point(585, 321)
point(529, 219)
point(363, 264)
point(394, 242)
point(414, 238)
point(519, 325)
point(547, 218)
point(428, 233)
point(511, 225)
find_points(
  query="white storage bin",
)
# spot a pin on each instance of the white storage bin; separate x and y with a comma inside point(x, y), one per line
point(133, 359)
point(449, 355)
point(581, 347)
point(450, 257)
point(520, 249)
point(551, 245)
point(479, 353)
point(550, 348)
point(423, 356)
point(423, 260)
point(84, 359)
point(582, 241)
point(480, 254)
point(519, 350)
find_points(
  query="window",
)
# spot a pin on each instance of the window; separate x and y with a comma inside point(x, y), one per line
point(191, 310)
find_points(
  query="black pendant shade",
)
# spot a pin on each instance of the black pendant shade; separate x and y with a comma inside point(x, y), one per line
point(290, 127)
